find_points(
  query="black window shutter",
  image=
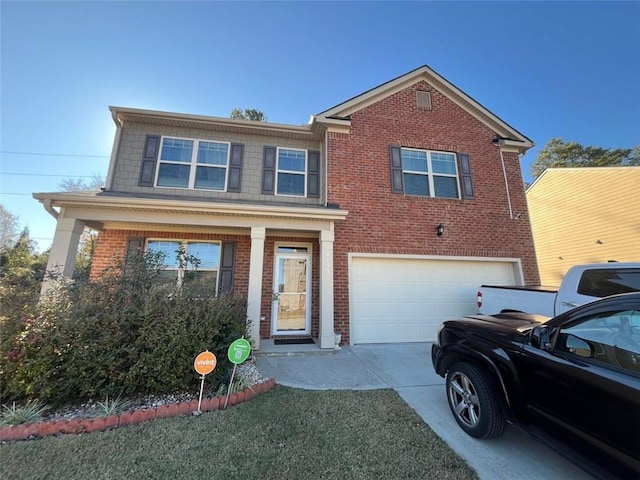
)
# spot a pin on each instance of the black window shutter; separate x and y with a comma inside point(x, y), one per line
point(466, 180)
point(313, 174)
point(149, 158)
point(135, 246)
point(227, 266)
point(269, 171)
point(235, 167)
point(397, 185)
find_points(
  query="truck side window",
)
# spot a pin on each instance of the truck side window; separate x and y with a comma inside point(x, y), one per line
point(609, 281)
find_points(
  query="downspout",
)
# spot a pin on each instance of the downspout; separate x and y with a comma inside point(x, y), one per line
point(499, 141)
point(114, 152)
point(48, 206)
point(326, 167)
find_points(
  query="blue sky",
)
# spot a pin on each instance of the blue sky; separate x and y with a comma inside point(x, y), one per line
point(550, 69)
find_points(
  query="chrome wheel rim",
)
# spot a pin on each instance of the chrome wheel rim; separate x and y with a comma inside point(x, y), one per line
point(464, 399)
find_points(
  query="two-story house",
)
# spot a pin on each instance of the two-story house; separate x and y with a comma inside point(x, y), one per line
point(376, 220)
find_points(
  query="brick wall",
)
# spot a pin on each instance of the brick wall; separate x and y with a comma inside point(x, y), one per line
point(111, 245)
point(382, 222)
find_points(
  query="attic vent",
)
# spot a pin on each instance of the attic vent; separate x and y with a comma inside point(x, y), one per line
point(423, 100)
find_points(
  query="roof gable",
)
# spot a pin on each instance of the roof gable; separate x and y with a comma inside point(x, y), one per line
point(340, 115)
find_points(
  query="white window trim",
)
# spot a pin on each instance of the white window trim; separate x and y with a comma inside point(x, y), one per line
point(193, 164)
point(430, 174)
point(180, 271)
point(293, 172)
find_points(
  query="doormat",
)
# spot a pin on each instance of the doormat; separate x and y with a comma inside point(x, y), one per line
point(292, 341)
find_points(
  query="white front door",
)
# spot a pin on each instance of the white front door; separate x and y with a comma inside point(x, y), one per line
point(291, 314)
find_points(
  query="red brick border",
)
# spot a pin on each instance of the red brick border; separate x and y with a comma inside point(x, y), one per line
point(28, 431)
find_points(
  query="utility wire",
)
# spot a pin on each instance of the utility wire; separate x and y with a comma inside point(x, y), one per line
point(54, 154)
point(45, 175)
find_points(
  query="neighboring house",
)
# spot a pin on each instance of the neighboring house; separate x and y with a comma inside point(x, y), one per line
point(584, 215)
point(326, 227)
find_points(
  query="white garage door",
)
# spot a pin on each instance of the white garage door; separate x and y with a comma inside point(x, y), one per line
point(405, 300)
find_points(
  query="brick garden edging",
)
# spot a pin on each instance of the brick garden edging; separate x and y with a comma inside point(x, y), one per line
point(26, 431)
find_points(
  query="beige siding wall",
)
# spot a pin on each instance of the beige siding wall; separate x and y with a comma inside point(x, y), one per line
point(584, 215)
point(129, 158)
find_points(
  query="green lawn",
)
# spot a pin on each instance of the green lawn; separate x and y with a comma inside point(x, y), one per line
point(283, 434)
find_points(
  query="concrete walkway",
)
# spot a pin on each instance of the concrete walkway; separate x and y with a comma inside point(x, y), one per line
point(408, 370)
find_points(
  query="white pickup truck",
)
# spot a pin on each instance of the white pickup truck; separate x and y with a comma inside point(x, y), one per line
point(581, 284)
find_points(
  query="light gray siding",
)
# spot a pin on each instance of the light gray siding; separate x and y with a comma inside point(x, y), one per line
point(129, 158)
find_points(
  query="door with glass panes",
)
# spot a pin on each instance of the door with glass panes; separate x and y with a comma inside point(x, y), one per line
point(291, 296)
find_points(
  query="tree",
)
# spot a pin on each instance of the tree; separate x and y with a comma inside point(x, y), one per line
point(558, 153)
point(79, 185)
point(8, 228)
point(248, 114)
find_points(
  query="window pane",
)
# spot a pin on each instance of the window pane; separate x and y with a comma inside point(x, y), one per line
point(172, 175)
point(201, 282)
point(213, 153)
point(445, 187)
point(168, 248)
point(416, 184)
point(293, 160)
point(605, 282)
point(414, 160)
point(176, 150)
point(211, 178)
point(207, 253)
point(290, 184)
point(443, 163)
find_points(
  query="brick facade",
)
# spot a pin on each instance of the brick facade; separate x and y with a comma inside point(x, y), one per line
point(383, 222)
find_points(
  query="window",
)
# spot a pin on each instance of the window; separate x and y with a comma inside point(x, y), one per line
point(189, 262)
point(291, 172)
point(604, 282)
point(199, 164)
point(612, 338)
point(430, 174)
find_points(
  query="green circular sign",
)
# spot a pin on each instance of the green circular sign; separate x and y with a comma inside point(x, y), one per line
point(239, 351)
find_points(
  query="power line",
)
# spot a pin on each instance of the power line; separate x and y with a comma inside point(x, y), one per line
point(45, 175)
point(54, 154)
point(6, 193)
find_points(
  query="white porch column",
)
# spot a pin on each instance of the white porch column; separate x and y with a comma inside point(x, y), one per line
point(256, 263)
point(62, 257)
point(327, 336)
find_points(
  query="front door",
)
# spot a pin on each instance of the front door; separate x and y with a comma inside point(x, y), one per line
point(291, 296)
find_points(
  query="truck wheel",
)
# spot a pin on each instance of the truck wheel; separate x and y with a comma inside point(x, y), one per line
point(473, 401)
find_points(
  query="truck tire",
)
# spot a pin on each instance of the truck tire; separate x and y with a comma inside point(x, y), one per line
point(474, 402)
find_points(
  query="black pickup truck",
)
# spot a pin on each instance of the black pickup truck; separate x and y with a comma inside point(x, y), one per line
point(572, 381)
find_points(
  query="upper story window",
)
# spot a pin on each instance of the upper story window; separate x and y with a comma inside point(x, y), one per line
point(430, 173)
point(292, 172)
point(186, 163)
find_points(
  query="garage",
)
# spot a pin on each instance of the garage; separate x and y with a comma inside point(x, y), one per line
point(404, 299)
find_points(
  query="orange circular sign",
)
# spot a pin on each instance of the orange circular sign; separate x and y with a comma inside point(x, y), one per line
point(204, 363)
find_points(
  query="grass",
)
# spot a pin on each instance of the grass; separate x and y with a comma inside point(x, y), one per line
point(283, 434)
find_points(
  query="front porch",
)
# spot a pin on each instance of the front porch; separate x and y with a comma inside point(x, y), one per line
point(253, 227)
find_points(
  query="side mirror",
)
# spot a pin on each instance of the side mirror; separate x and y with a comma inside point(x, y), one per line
point(540, 338)
point(579, 347)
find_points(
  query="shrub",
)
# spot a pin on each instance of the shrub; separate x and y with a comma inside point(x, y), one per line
point(30, 412)
point(125, 333)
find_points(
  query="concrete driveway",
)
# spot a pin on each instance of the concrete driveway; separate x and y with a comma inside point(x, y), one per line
point(408, 370)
